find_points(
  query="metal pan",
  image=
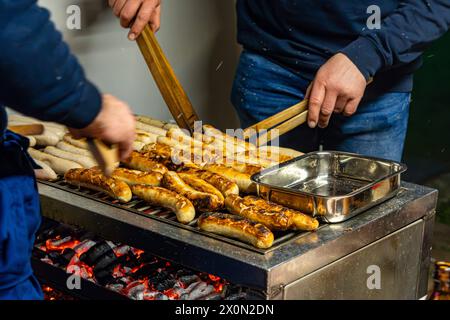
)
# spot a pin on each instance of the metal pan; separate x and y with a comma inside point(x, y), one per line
point(334, 186)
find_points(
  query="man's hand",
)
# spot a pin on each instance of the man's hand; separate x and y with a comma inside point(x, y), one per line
point(338, 87)
point(136, 14)
point(115, 124)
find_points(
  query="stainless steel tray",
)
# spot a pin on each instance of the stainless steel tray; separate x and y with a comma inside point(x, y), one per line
point(334, 186)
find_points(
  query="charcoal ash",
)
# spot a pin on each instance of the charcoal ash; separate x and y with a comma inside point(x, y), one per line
point(189, 279)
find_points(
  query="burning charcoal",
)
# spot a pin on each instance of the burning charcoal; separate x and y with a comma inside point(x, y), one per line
point(237, 296)
point(135, 290)
point(160, 277)
point(117, 287)
point(184, 272)
point(201, 290)
point(91, 256)
point(46, 230)
point(166, 285)
point(122, 250)
point(84, 246)
point(38, 254)
point(62, 259)
point(144, 257)
point(103, 276)
point(161, 296)
point(107, 260)
point(192, 286)
point(47, 260)
point(212, 296)
point(145, 270)
point(189, 279)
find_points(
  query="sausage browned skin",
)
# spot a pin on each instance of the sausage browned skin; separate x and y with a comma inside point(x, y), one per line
point(224, 185)
point(202, 186)
point(272, 216)
point(134, 177)
point(243, 180)
point(141, 162)
point(201, 200)
point(95, 180)
point(161, 197)
point(237, 227)
point(300, 220)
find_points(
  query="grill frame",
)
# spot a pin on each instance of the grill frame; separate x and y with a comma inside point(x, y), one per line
point(166, 216)
point(267, 273)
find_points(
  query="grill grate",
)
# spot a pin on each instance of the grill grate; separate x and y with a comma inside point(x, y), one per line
point(140, 207)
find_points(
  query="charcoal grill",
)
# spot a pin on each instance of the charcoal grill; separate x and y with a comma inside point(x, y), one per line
point(333, 262)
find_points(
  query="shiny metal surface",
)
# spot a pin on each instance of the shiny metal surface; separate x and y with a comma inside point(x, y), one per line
point(385, 269)
point(269, 273)
point(334, 186)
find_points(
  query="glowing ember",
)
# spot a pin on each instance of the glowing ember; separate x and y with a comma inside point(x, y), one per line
point(127, 270)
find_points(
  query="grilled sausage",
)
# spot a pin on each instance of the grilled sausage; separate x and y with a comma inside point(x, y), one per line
point(80, 143)
point(224, 185)
point(243, 180)
point(134, 177)
point(237, 227)
point(139, 161)
point(63, 145)
point(48, 138)
point(240, 144)
point(145, 137)
point(283, 152)
point(246, 168)
point(300, 220)
point(60, 166)
point(151, 129)
point(31, 141)
point(86, 162)
point(201, 200)
point(151, 121)
point(272, 216)
point(202, 186)
point(156, 196)
point(138, 146)
point(46, 172)
point(93, 179)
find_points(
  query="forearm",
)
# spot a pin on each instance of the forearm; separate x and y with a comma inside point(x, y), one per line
point(38, 74)
point(402, 38)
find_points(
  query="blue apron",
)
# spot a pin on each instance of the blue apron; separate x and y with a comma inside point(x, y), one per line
point(19, 220)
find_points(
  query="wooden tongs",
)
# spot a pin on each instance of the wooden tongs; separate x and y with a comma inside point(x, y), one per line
point(106, 156)
point(173, 93)
point(279, 123)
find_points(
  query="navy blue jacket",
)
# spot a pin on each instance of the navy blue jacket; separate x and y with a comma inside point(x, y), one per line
point(303, 34)
point(38, 74)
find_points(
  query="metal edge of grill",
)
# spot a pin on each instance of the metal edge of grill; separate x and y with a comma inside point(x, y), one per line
point(140, 207)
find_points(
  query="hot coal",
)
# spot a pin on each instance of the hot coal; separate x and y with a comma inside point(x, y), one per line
point(129, 271)
point(100, 249)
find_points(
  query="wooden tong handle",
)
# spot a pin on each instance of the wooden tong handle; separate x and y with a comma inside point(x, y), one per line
point(107, 156)
point(28, 129)
point(277, 118)
point(173, 93)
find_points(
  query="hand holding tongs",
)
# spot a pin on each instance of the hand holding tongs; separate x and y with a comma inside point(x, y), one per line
point(281, 122)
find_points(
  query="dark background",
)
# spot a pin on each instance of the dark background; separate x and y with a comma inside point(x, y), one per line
point(428, 138)
point(427, 151)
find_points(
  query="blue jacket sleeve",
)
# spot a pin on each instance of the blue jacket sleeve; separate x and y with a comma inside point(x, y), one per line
point(402, 38)
point(38, 74)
